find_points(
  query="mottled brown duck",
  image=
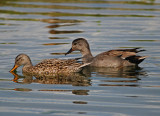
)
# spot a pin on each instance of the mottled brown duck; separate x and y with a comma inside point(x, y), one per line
point(47, 66)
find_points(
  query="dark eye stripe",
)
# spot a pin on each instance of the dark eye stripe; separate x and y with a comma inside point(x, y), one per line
point(18, 59)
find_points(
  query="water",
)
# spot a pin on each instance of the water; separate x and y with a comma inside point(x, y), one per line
point(45, 29)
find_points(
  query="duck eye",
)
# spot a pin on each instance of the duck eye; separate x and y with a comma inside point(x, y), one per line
point(75, 44)
point(19, 59)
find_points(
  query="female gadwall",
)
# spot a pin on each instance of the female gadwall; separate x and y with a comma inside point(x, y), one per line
point(47, 66)
point(112, 58)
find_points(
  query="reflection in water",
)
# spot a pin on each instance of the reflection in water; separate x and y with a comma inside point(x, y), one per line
point(24, 27)
point(58, 14)
point(61, 21)
point(25, 79)
point(125, 72)
point(151, 40)
point(80, 102)
point(8, 43)
point(64, 32)
point(54, 44)
point(80, 92)
point(58, 38)
point(56, 26)
point(75, 79)
point(22, 89)
point(125, 85)
point(29, 5)
point(53, 6)
point(126, 76)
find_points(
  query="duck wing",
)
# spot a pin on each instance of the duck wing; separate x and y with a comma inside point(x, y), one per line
point(123, 53)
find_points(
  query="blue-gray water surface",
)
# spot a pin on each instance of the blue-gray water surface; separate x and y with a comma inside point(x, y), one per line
point(45, 29)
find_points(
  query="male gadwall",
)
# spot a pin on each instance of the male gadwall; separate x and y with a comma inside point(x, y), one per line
point(112, 58)
point(47, 66)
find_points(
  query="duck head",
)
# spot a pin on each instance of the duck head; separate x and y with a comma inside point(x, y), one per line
point(79, 44)
point(21, 59)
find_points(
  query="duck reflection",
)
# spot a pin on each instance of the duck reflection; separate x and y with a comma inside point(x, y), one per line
point(25, 79)
point(75, 79)
point(80, 102)
point(125, 72)
point(80, 92)
point(126, 76)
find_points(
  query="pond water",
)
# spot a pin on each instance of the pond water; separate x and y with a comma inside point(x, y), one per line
point(44, 29)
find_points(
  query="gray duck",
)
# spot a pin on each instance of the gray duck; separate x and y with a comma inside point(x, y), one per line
point(111, 58)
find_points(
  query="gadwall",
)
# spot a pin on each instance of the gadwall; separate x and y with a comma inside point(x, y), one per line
point(47, 66)
point(112, 58)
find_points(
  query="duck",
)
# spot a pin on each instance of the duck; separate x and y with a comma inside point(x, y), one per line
point(47, 66)
point(112, 58)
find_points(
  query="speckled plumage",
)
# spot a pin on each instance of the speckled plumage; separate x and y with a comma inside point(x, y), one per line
point(111, 58)
point(47, 66)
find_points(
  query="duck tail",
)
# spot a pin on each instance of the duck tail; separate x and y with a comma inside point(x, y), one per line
point(136, 59)
point(140, 50)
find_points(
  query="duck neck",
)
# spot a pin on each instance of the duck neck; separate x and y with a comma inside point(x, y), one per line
point(87, 55)
point(27, 66)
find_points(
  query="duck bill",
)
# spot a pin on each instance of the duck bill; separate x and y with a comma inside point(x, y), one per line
point(14, 68)
point(71, 50)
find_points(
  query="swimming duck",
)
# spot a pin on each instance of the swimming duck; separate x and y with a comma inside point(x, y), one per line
point(111, 58)
point(47, 66)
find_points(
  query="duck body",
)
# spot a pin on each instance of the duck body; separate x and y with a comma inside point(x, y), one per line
point(47, 66)
point(107, 61)
point(53, 66)
point(111, 58)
